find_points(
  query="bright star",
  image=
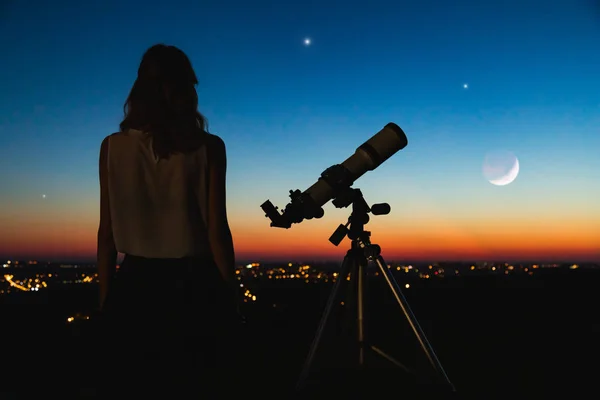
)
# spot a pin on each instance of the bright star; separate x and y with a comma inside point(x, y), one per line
point(307, 42)
point(465, 86)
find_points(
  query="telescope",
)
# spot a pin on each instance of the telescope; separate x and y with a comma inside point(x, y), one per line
point(335, 184)
point(337, 178)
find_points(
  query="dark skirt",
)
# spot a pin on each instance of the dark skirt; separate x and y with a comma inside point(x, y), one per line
point(169, 325)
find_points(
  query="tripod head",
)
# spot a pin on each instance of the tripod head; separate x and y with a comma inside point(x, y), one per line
point(355, 227)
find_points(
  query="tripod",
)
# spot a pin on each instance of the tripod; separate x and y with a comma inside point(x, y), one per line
point(354, 265)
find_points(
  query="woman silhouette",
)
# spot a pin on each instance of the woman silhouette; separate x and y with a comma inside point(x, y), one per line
point(170, 308)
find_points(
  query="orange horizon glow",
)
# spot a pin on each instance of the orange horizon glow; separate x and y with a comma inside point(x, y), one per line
point(432, 240)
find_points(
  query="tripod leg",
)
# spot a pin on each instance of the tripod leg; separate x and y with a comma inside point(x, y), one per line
point(361, 272)
point(333, 298)
point(412, 320)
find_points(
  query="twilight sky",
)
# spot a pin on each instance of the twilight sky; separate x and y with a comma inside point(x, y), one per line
point(288, 110)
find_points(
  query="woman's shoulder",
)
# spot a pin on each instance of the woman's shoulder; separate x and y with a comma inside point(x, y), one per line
point(212, 137)
point(214, 142)
point(104, 144)
point(206, 141)
point(215, 150)
point(114, 134)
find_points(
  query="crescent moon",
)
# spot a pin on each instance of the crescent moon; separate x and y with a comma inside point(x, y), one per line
point(500, 167)
point(510, 176)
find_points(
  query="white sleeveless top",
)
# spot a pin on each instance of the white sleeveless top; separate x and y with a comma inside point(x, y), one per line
point(158, 207)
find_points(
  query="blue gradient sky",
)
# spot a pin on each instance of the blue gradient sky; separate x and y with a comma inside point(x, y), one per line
point(287, 111)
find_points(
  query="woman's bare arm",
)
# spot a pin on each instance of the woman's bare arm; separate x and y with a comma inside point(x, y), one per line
point(219, 234)
point(106, 249)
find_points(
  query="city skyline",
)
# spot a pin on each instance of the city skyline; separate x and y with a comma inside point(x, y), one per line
point(294, 88)
point(331, 260)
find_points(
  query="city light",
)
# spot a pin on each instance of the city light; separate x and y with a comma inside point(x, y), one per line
point(34, 276)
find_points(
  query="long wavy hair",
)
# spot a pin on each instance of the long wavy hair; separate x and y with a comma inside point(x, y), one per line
point(164, 103)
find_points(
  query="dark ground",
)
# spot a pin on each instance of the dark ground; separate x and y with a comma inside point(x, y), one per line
point(495, 336)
